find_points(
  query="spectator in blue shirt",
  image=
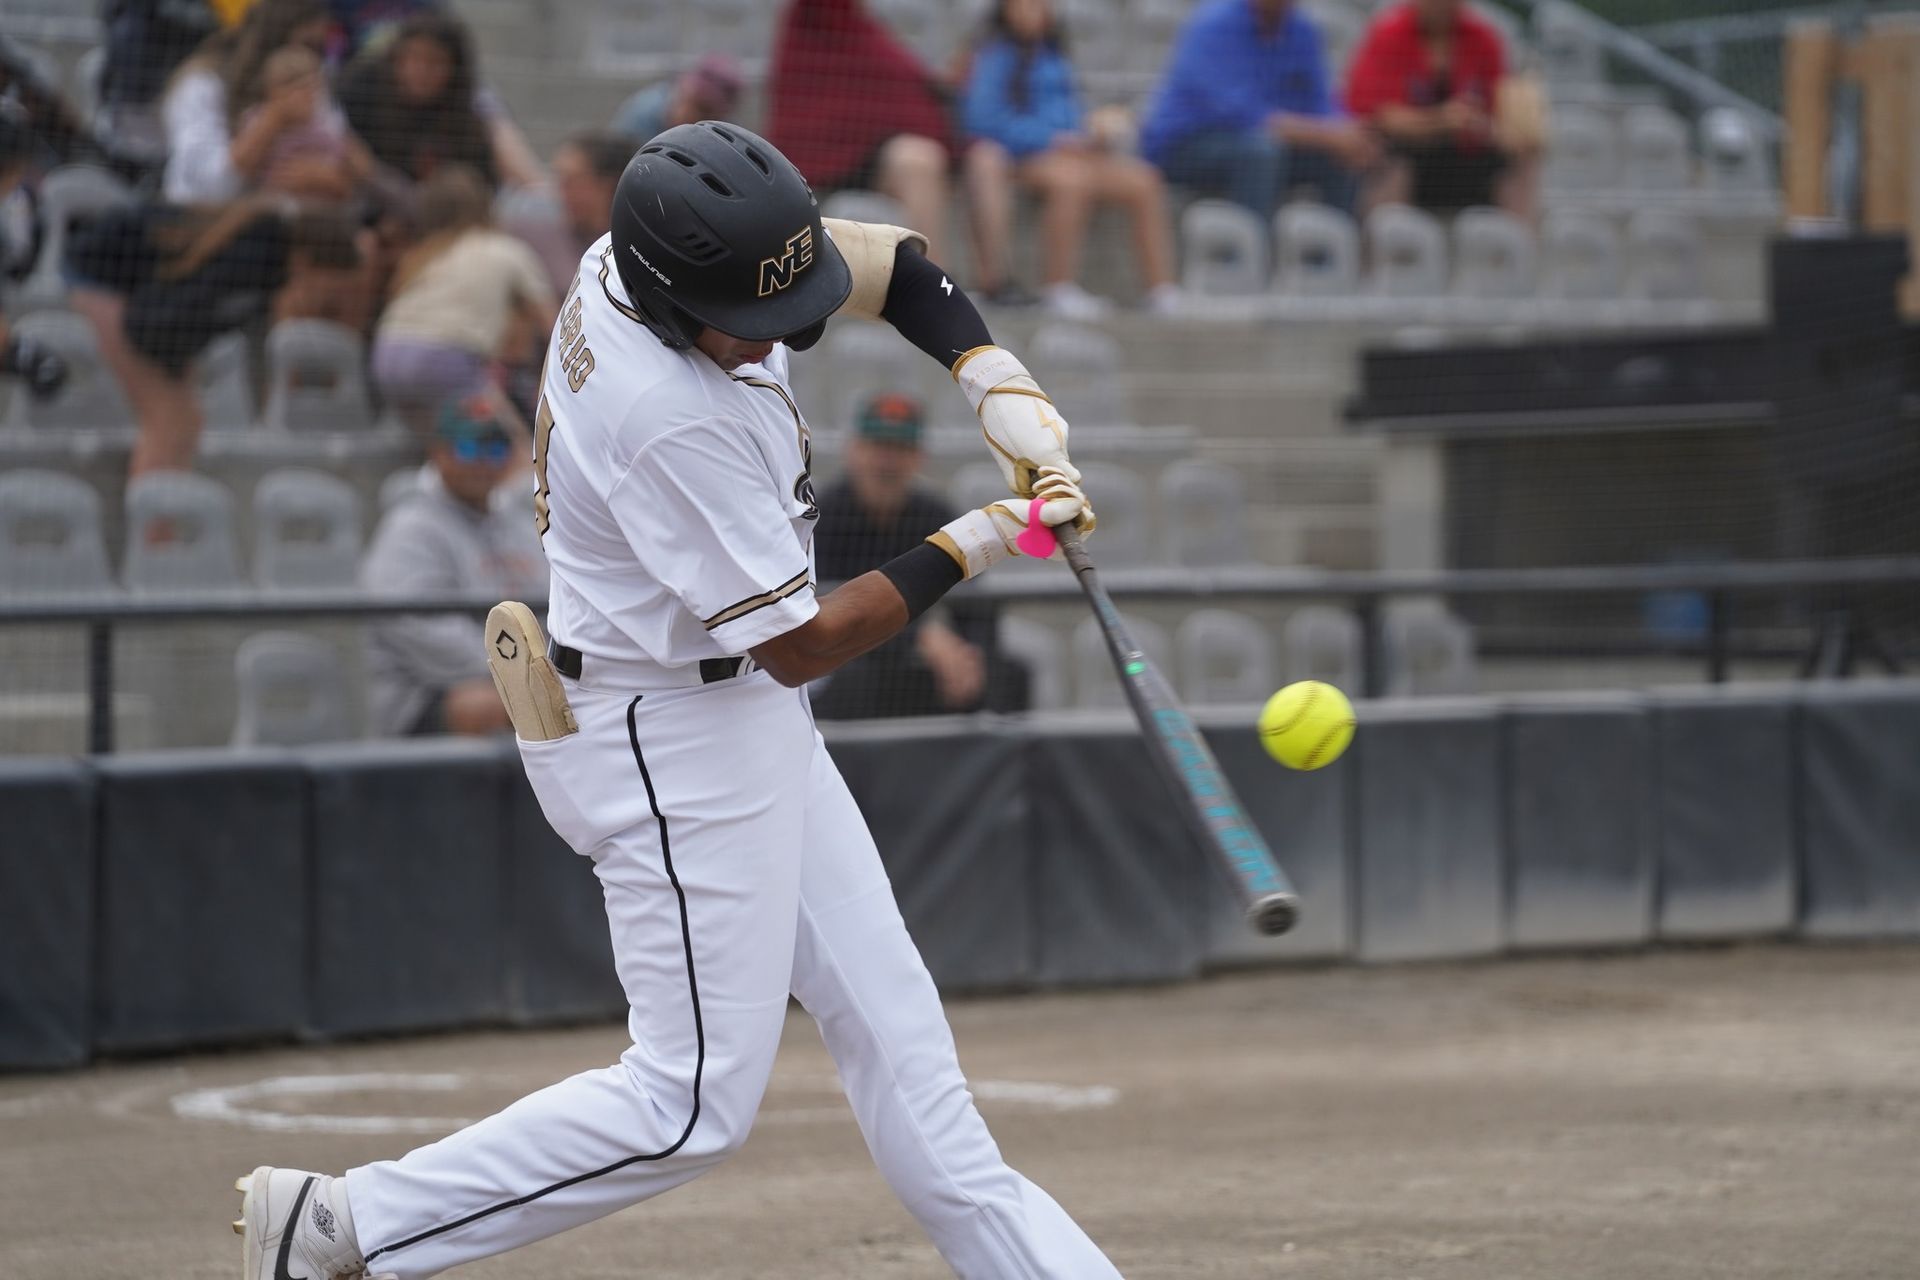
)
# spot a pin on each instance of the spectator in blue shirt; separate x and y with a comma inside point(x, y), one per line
point(1023, 114)
point(1246, 110)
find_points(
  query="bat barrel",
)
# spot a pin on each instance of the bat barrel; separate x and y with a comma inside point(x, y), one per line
point(1274, 913)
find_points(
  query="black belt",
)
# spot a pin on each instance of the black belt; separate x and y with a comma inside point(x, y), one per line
point(712, 670)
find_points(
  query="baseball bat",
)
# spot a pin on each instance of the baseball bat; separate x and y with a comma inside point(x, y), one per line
point(1211, 810)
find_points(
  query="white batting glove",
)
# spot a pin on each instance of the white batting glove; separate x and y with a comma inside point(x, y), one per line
point(1000, 530)
point(1023, 431)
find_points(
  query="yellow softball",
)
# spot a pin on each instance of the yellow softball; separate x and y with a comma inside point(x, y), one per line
point(1306, 724)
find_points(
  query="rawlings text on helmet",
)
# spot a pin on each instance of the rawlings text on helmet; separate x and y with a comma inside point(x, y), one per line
point(778, 273)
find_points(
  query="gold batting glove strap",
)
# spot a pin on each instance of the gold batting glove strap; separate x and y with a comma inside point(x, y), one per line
point(1021, 427)
point(975, 542)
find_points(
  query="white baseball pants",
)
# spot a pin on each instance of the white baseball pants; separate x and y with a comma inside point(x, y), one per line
point(736, 868)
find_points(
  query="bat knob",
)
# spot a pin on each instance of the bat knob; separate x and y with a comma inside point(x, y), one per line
point(1274, 914)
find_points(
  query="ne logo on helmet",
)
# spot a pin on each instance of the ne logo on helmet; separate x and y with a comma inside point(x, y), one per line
point(777, 273)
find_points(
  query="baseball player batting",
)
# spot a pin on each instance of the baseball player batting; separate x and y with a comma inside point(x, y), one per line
point(667, 733)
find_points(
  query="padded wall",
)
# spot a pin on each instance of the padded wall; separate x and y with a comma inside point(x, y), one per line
point(1860, 787)
point(46, 912)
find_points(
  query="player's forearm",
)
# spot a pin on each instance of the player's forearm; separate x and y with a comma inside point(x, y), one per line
point(858, 616)
point(929, 310)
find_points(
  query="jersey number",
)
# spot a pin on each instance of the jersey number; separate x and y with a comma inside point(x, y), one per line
point(542, 433)
point(576, 361)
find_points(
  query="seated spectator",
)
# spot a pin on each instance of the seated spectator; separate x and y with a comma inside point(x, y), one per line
point(1023, 114)
point(1427, 77)
point(879, 511)
point(709, 91)
point(159, 283)
point(586, 169)
point(1245, 110)
point(428, 673)
point(210, 158)
point(312, 154)
point(852, 107)
point(413, 101)
point(459, 297)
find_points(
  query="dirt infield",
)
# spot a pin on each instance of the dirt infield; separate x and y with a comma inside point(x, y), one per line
point(1741, 1113)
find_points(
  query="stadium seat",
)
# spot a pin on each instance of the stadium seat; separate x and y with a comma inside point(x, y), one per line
point(1583, 152)
point(50, 539)
point(1493, 255)
point(855, 205)
point(1222, 250)
point(292, 692)
point(398, 485)
point(1655, 155)
point(1428, 650)
point(1731, 153)
point(1125, 536)
point(68, 193)
point(1155, 26)
point(1407, 251)
point(741, 28)
point(91, 397)
point(226, 384)
point(976, 484)
point(85, 84)
point(1098, 685)
point(862, 360)
point(1224, 657)
point(1581, 254)
point(1206, 510)
point(1320, 642)
point(306, 527)
point(1083, 369)
point(316, 378)
point(1318, 250)
point(1037, 646)
point(1663, 256)
point(1569, 54)
point(179, 534)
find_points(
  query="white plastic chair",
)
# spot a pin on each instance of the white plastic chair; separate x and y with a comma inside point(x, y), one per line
point(1656, 157)
point(856, 205)
point(226, 384)
point(1583, 150)
point(50, 539)
point(1099, 686)
point(292, 692)
point(1733, 159)
point(1663, 257)
point(1082, 369)
point(317, 378)
point(861, 360)
point(1569, 53)
point(1318, 250)
point(1493, 255)
point(1581, 254)
point(1206, 513)
point(1222, 250)
point(306, 530)
point(1119, 499)
point(66, 194)
point(976, 484)
point(1038, 647)
point(1428, 650)
point(91, 397)
point(1321, 642)
point(1225, 657)
point(179, 534)
point(1408, 252)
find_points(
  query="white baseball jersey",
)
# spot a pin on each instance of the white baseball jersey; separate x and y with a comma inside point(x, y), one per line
point(735, 865)
point(676, 499)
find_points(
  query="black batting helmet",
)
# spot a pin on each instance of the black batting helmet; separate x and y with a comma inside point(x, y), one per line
point(713, 227)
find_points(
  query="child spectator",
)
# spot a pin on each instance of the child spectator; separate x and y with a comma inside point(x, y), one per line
point(1246, 111)
point(312, 154)
point(852, 107)
point(460, 297)
point(1023, 113)
point(708, 91)
point(1427, 77)
point(160, 283)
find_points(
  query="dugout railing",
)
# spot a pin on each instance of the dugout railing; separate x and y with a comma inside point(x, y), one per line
point(1828, 592)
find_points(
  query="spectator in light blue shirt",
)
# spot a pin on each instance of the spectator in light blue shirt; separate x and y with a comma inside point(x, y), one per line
point(1246, 110)
point(1022, 113)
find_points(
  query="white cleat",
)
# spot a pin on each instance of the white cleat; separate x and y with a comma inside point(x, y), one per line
point(294, 1225)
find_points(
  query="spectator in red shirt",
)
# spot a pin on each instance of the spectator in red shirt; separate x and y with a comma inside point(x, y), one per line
point(1427, 77)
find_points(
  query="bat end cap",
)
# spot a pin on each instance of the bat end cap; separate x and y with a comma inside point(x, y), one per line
point(1274, 914)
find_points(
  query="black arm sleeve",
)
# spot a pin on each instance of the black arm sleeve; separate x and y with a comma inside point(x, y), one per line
point(931, 311)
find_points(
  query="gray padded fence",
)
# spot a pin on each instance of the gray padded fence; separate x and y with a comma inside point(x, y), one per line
point(191, 898)
point(46, 913)
point(202, 899)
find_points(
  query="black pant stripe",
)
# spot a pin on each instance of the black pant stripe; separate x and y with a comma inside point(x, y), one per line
point(699, 1035)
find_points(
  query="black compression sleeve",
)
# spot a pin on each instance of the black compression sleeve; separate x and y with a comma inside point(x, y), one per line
point(931, 311)
point(922, 576)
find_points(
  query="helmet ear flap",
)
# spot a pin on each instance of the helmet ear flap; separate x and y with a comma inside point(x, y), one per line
point(806, 337)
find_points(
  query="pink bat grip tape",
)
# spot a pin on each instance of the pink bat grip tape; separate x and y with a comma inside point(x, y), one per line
point(1036, 540)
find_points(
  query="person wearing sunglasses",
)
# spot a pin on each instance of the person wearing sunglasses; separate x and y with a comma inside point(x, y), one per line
point(427, 673)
